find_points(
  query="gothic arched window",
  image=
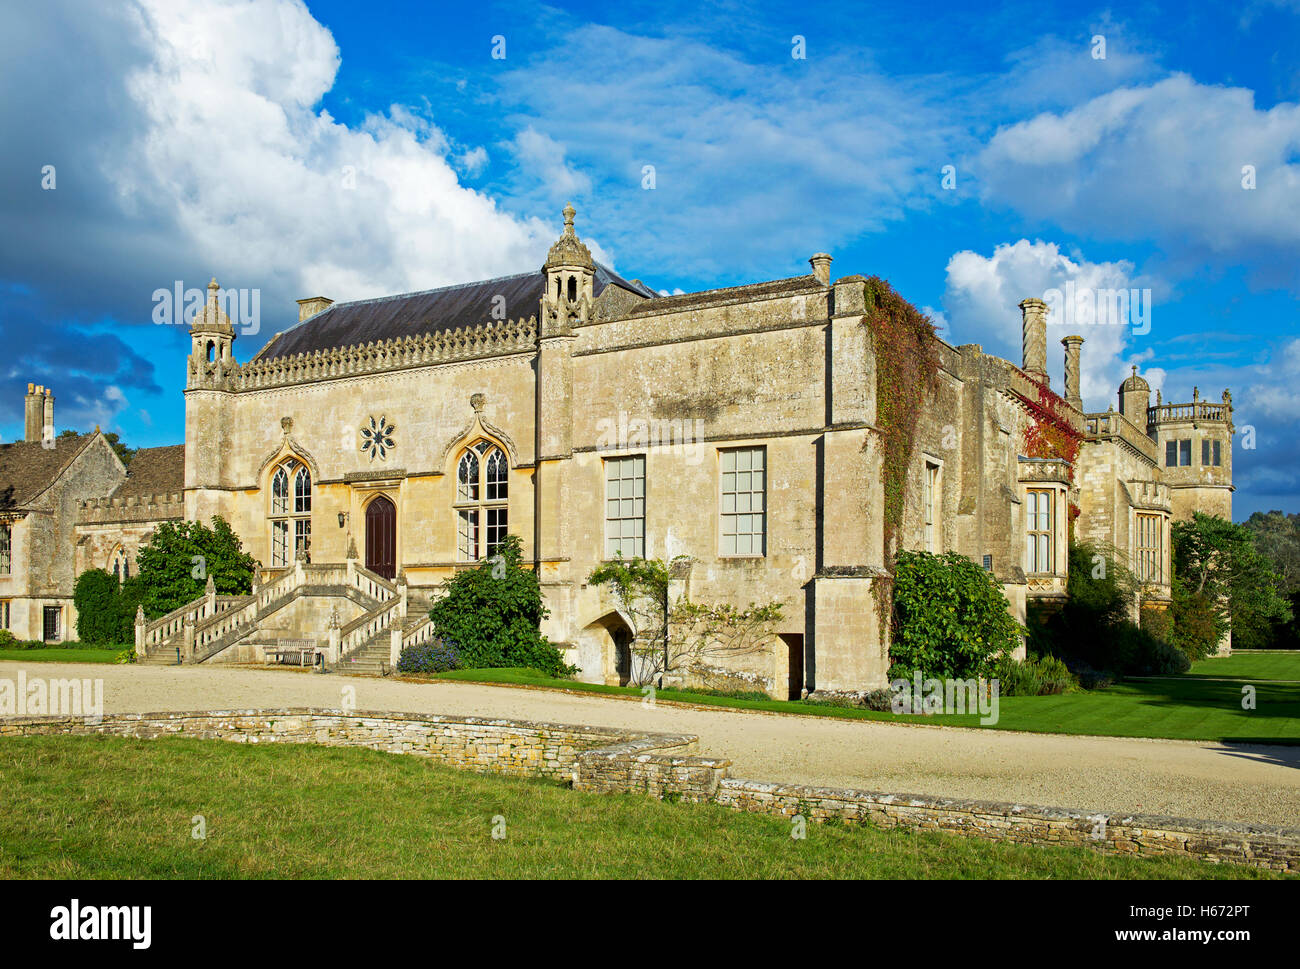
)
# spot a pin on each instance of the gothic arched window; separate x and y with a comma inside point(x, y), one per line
point(290, 515)
point(481, 505)
point(121, 564)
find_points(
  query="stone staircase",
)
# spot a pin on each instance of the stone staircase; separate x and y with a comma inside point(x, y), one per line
point(374, 656)
point(394, 617)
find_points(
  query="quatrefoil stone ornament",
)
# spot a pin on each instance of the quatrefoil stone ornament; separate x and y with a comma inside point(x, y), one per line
point(377, 439)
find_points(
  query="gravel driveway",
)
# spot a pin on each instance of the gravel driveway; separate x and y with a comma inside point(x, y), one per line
point(1113, 775)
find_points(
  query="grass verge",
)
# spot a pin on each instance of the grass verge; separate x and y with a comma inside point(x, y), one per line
point(108, 807)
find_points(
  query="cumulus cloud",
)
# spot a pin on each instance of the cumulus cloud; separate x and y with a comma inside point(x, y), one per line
point(1166, 162)
point(982, 295)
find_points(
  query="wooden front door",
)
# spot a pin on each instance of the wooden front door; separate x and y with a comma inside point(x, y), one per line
point(381, 537)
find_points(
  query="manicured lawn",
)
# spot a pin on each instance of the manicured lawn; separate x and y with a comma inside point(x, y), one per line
point(107, 807)
point(55, 654)
point(1252, 665)
point(1180, 708)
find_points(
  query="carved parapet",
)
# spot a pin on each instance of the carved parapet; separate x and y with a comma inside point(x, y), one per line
point(483, 340)
point(132, 508)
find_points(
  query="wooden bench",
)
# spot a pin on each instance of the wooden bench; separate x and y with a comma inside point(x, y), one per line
point(293, 652)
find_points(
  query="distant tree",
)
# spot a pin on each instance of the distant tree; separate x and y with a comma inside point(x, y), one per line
point(1277, 536)
point(1226, 578)
point(114, 441)
point(173, 568)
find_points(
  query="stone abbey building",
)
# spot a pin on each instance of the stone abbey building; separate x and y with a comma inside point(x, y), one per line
point(371, 450)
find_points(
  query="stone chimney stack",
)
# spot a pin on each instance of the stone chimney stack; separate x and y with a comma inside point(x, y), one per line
point(312, 305)
point(47, 429)
point(33, 412)
point(821, 266)
point(1034, 339)
point(1072, 395)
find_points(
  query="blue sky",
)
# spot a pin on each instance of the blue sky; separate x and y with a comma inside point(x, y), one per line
point(351, 150)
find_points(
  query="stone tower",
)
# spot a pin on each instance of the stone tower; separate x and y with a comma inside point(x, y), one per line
point(207, 410)
point(1195, 453)
point(566, 303)
point(1135, 399)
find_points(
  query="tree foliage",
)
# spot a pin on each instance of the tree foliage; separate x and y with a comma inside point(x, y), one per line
point(491, 615)
point(950, 618)
point(1093, 631)
point(1225, 580)
point(173, 569)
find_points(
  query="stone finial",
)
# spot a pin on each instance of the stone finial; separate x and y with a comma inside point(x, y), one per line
point(569, 249)
point(1227, 397)
point(334, 622)
point(139, 615)
point(286, 424)
point(477, 401)
point(1196, 393)
point(211, 587)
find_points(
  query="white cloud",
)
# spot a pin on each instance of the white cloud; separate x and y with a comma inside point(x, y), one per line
point(1161, 162)
point(262, 184)
point(981, 303)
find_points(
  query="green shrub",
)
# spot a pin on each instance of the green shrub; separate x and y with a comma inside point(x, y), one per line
point(1159, 623)
point(7, 639)
point(1046, 676)
point(492, 614)
point(95, 596)
point(125, 656)
point(950, 617)
point(175, 565)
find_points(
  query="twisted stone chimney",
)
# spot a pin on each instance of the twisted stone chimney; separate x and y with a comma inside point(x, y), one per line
point(1033, 322)
point(48, 427)
point(1072, 395)
point(33, 412)
point(821, 267)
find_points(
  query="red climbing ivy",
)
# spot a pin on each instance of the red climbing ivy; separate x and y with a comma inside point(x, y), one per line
point(1049, 433)
point(907, 359)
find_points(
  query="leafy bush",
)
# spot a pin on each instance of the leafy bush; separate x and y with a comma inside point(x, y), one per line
point(7, 639)
point(950, 617)
point(125, 656)
point(431, 657)
point(175, 565)
point(106, 608)
point(1044, 676)
point(493, 613)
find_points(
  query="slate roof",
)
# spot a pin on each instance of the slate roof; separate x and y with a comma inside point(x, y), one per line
point(430, 311)
point(155, 471)
point(27, 468)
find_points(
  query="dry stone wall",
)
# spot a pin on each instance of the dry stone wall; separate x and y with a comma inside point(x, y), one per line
point(665, 766)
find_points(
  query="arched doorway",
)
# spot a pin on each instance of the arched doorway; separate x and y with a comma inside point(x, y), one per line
point(604, 652)
point(381, 537)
